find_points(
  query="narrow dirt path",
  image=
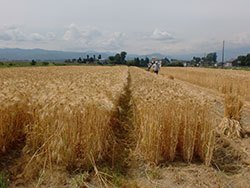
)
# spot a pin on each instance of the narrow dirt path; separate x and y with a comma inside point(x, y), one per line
point(124, 128)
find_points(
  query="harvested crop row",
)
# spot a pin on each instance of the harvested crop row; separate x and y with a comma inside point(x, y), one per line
point(64, 113)
point(169, 121)
point(224, 81)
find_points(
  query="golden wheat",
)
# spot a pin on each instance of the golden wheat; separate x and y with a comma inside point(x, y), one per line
point(169, 120)
point(64, 113)
point(234, 86)
point(225, 81)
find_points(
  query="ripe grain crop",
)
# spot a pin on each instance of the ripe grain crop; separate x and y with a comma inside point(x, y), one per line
point(63, 113)
point(170, 122)
point(225, 81)
point(234, 86)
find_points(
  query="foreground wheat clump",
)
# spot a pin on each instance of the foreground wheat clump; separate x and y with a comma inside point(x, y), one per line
point(64, 113)
point(169, 121)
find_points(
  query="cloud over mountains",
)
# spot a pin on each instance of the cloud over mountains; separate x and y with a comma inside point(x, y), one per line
point(16, 34)
point(161, 35)
point(93, 38)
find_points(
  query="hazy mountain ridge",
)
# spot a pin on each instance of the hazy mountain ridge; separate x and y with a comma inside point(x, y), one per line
point(43, 55)
point(53, 55)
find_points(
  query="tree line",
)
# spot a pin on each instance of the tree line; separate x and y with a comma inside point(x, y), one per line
point(87, 60)
point(210, 58)
point(243, 60)
point(120, 59)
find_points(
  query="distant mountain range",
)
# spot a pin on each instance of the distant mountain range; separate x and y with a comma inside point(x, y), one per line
point(43, 55)
point(17, 54)
point(52, 55)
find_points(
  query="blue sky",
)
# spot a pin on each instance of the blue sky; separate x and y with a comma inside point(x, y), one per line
point(136, 26)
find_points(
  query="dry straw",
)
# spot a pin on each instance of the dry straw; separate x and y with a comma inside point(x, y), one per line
point(230, 125)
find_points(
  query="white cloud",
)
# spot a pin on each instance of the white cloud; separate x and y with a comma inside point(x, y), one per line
point(37, 37)
point(15, 34)
point(93, 38)
point(11, 33)
point(161, 35)
point(5, 36)
point(51, 36)
point(74, 32)
point(113, 42)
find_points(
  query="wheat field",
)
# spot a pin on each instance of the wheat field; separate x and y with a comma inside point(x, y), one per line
point(224, 81)
point(63, 113)
point(72, 117)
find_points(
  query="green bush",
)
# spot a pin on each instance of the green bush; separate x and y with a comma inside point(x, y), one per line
point(60, 64)
point(45, 63)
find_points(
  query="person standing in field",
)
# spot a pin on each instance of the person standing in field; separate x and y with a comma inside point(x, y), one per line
point(157, 66)
point(149, 65)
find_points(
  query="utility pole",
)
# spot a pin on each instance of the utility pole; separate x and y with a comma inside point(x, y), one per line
point(223, 48)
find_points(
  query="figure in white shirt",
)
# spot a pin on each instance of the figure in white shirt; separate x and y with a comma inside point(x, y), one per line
point(156, 67)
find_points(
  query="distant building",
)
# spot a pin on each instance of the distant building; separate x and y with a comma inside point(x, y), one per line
point(219, 65)
point(228, 64)
point(187, 64)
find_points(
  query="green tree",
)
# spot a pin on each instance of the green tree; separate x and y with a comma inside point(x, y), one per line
point(91, 60)
point(196, 59)
point(143, 63)
point(118, 59)
point(131, 62)
point(99, 57)
point(79, 60)
point(137, 62)
point(123, 56)
point(33, 62)
point(211, 57)
point(248, 60)
point(111, 60)
point(244, 60)
point(147, 60)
